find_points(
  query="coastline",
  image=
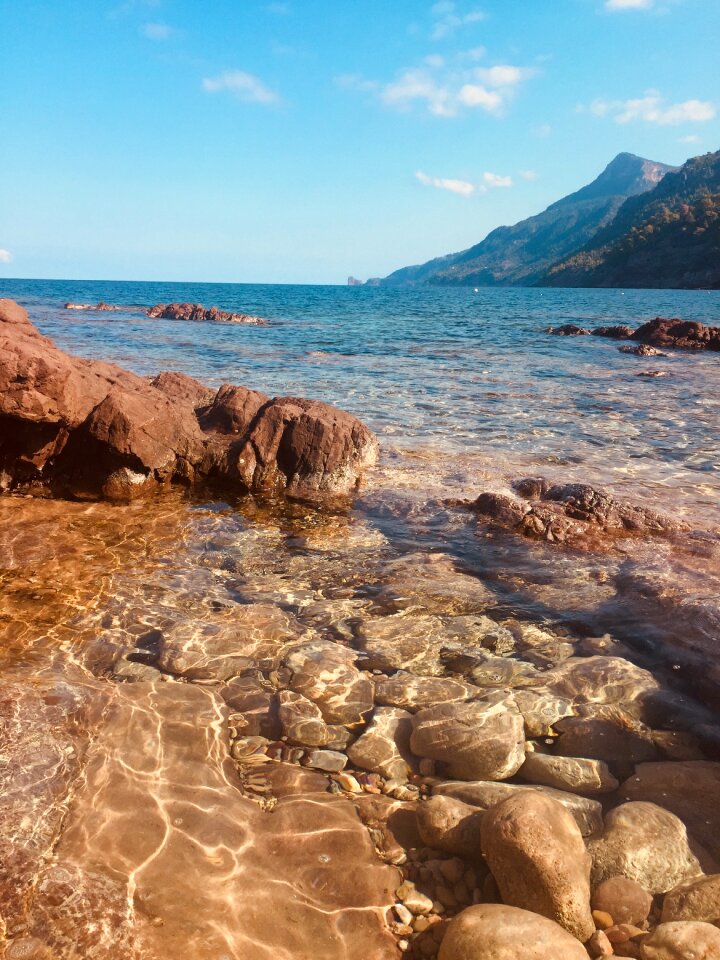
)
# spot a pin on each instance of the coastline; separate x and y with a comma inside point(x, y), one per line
point(281, 659)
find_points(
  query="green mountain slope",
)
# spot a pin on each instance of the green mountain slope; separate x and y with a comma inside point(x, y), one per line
point(667, 238)
point(520, 255)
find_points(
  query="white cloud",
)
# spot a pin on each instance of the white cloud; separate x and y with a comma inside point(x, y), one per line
point(244, 86)
point(493, 180)
point(448, 19)
point(447, 89)
point(690, 138)
point(653, 108)
point(5, 256)
point(464, 188)
point(156, 31)
point(474, 95)
point(629, 4)
point(530, 175)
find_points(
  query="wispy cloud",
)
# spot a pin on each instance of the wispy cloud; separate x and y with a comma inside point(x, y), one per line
point(446, 90)
point(655, 109)
point(464, 188)
point(282, 9)
point(244, 86)
point(447, 18)
point(156, 31)
point(5, 256)
point(530, 175)
point(629, 4)
point(690, 138)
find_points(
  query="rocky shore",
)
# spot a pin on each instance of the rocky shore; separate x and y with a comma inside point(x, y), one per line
point(81, 428)
point(673, 334)
point(276, 735)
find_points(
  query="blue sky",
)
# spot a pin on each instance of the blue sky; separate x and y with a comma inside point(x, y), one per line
point(302, 141)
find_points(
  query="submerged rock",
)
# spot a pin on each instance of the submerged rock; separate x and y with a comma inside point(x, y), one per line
point(645, 843)
point(384, 745)
point(88, 429)
point(480, 740)
point(587, 813)
point(538, 858)
point(492, 931)
point(576, 775)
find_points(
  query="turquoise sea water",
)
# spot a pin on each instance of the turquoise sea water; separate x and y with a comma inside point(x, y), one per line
point(440, 372)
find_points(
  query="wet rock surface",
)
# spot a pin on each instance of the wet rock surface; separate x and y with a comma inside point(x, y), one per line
point(84, 428)
point(660, 332)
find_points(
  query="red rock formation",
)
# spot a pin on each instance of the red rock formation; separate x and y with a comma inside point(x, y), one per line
point(196, 312)
point(681, 334)
point(84, 428)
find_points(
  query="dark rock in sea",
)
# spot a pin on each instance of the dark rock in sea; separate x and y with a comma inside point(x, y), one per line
point(680, 334)
point(566, 513)
point(198, 313)
point(642, 350)
point(615, 332)
point(88, 429)
point(568, 330)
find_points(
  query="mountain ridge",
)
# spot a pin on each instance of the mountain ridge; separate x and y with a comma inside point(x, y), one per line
point(522, 254)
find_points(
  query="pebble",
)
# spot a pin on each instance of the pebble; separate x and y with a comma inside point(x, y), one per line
point(348, 782)
point(403, 914)
point(329, 760)
point(599, 946)
point(602, 919)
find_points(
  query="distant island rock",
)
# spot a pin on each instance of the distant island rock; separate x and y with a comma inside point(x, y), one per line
point(521, 255)
point(85, 429)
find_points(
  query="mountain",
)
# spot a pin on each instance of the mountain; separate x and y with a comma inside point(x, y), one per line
point(521, 255)
point(669, 237)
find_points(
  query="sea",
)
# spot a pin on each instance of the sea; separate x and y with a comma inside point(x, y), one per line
point(109, 779)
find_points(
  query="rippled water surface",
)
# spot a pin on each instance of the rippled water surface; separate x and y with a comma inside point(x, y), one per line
point(123, 792)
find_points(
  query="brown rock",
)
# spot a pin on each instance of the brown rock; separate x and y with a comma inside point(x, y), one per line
point(450, 825)
point(538, 858)
point(88, 429)
point(695, 900)
point(325, 673)
point(623, 899)
point(384, 745)
point(645, 843)
point(691, 789)
point(199, 314)
point(483, 739)
point(486, 795)
point(568, 773)
point(609, 734)
point(413, 693)
point(599, 946)
point(682, 940)
point(496, 932)
point(680, 334)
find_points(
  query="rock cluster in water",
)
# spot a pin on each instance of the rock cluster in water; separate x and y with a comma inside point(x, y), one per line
point(660, 332)
point(84, 428)
point(571, 513)
point(198, 313)
point(194, 312)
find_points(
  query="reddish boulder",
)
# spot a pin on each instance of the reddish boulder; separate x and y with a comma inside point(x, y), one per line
point(196, 312)
point(83, 428)
point(681, 334)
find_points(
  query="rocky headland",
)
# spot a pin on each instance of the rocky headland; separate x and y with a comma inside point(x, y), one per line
point(82, 428)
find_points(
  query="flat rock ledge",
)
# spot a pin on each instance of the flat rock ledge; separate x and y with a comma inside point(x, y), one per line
point(86, 429)
point(675, 333)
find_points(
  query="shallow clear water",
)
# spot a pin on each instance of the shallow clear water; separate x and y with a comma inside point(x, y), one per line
point(456, 371)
